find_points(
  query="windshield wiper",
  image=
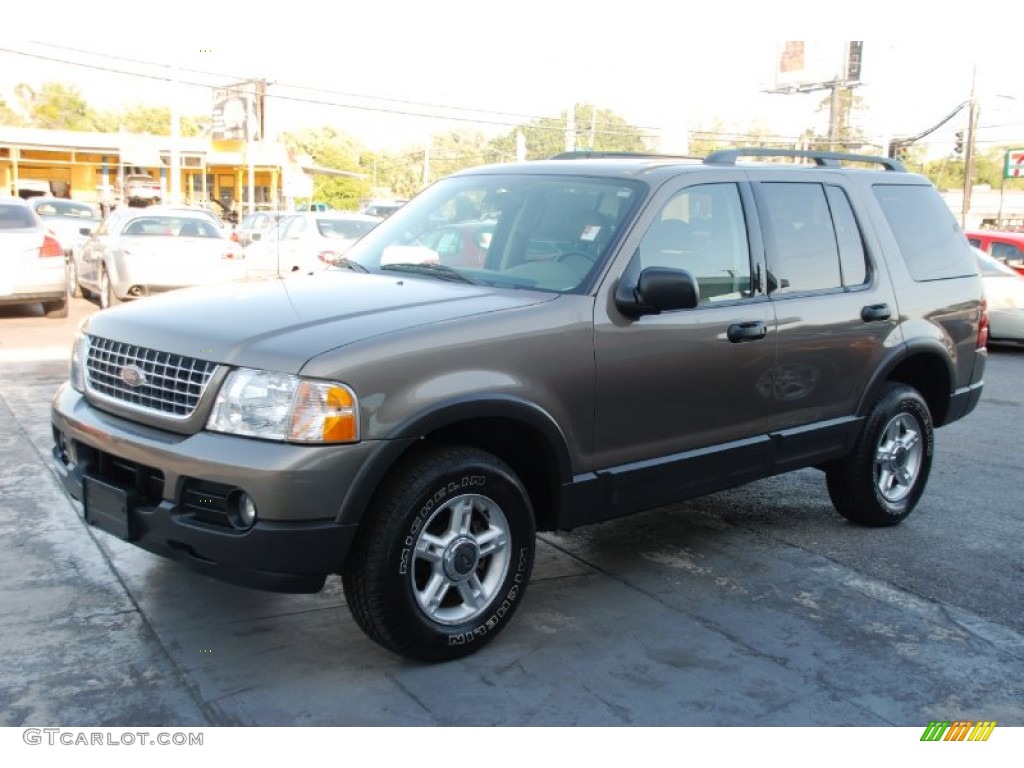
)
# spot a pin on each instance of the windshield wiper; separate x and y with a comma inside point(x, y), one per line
point(344, 263)
point(439, 271)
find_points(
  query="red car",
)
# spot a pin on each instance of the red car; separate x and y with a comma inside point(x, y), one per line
point(1007, 247)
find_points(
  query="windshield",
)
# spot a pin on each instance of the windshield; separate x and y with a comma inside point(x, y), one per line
point(547, 232)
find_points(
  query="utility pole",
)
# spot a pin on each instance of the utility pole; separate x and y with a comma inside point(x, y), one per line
point(834, 116)
point(570, 128)
point(972, 124)
point(175, 189)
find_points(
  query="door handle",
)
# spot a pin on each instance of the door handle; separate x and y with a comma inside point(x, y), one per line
point(875, 312)
point(752, 331)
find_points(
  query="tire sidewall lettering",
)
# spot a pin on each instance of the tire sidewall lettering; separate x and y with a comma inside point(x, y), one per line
point(493, 621)
point(432, 502)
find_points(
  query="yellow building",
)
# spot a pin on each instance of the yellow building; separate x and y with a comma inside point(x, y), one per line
point(90, 167)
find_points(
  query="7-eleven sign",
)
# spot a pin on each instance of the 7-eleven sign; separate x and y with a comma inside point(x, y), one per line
point(1014, 164)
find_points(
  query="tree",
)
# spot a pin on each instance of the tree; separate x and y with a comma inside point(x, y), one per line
point(596, 129)
point(57, 106)
point(330, 149)
point(9, 115)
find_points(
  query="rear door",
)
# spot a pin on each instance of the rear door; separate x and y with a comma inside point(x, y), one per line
point(835, 310)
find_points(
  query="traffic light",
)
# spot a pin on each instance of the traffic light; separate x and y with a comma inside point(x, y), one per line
point(958, 147)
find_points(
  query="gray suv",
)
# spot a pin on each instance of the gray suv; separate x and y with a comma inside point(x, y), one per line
point(639, 330)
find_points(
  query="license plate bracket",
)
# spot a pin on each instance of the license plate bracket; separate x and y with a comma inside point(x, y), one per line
point(110, 508)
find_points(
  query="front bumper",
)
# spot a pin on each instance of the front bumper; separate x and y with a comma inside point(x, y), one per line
point(173, 495)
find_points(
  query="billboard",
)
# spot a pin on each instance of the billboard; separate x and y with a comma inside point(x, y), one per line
point(801, 64)
point(236, 113)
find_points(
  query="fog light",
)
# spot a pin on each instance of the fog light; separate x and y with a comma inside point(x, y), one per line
point(243, 510)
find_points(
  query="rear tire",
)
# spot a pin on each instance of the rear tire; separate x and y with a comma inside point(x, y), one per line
point(882, 480)
point(444, 555)
point(74, 289)
point(107, 296)
point(56, 310)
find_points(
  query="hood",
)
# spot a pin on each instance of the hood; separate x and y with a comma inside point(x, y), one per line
point(280, 324)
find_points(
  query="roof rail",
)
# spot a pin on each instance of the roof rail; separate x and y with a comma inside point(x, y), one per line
point(821, 159)
point(597, 154)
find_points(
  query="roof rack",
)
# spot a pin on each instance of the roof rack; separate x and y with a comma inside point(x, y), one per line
point(821, 159)
point(596, 154)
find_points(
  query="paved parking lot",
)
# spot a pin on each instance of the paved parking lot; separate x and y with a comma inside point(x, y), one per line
point(753, 607)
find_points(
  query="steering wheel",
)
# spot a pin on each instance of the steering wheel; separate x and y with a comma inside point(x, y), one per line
point(588, 259)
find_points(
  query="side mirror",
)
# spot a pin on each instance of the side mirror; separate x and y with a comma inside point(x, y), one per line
point(656, 290)
point(255, 236)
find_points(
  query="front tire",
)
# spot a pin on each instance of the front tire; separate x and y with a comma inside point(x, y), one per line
point(444, 555)
point(882, 480)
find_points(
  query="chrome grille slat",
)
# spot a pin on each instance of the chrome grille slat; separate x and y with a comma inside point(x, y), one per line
point(174, 383)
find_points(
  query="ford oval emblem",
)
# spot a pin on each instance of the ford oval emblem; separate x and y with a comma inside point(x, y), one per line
point(133, 376)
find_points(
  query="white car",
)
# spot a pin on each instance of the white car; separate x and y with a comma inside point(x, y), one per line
point(71, 222)
point(306, 242)
point(136, 252)
point(1004, 291)
point(31, 260)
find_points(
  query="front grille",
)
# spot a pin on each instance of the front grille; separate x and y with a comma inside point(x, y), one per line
point(169, 384)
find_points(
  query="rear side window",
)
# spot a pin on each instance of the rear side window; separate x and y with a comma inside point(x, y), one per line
point(16, 217)
point(813, 238)
point(932, 244)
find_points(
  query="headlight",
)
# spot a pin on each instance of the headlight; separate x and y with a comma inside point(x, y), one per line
point(278, 406)
point(79, 350)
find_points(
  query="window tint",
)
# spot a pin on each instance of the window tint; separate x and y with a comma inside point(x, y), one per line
point(702, 230)
point(929, 238)
point(803, 251)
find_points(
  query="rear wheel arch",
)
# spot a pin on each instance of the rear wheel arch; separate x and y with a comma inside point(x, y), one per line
point(926, 367)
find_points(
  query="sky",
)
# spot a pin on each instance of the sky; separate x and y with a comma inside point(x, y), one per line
point(661, 66)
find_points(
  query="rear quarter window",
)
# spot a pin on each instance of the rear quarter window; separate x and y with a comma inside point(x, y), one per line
point(932, 244)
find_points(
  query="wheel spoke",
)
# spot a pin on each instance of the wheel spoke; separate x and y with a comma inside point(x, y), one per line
point(492, 540)
point(472, 593)
point(434, 592)
point(462, 516)
point(430, 548)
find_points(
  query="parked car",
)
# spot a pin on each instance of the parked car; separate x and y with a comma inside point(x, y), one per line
point(253, 225)
point(32, 265)
point(1004, 291)
point(307, 242)
point(383, 208)
point(71, 222)
point(463, 244)
point(1007, 247)
point(137, 252)
point(643, 330)
point(139, 189)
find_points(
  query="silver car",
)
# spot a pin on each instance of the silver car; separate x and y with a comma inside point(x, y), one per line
point(306, 242)
point(31, 260)
point(136, 252)
point(1004, 291)
point(71, 222)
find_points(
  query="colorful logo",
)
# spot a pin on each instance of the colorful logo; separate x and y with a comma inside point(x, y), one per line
point(958, 730)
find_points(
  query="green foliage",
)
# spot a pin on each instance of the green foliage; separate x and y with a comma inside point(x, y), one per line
point(57, 106)
point(9, 116)
point(596, 129)
point(330, 149)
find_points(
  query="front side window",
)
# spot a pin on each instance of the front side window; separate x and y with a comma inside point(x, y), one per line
point(703, 231)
